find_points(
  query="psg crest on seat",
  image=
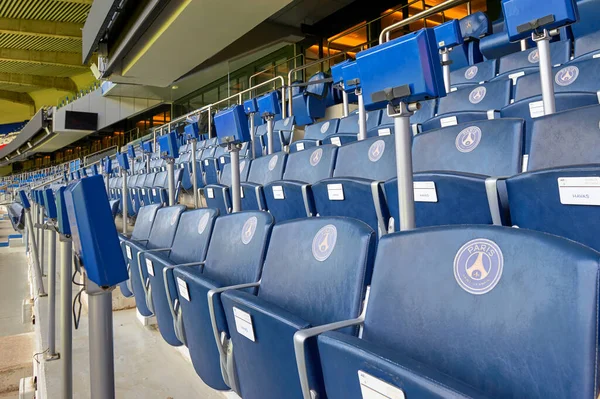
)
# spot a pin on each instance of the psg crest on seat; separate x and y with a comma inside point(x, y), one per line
point(534, 56)
point(468, 139)
point(477, 95)
point(249, 229)
point(324, 242)
point(566, 76)
point(376, 150)
point(478, 266)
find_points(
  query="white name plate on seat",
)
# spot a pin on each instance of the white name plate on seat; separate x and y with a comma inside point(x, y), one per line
point(300, 147)
point(222, 159)
point(336, 141)
point(278, 192)
point(183, 289)
point(536, 109)
point(335, 192)
point(128, 251)
point(150, 267)
point(515, 76)
point(153, 191)
point(384, 132)
point(243, 323)
point(374, 388)
point(449, 121)
point(525, 163)
point(210, 193)
point(425, 191)
point(579, 190)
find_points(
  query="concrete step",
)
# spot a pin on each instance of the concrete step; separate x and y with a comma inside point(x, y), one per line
point(16, 357)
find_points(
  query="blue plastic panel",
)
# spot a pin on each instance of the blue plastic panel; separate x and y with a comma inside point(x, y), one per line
point(251, 106)
point(519, 16)
point(50, 203)
point(448, 35)
point(123, 160)
point(231, 125)
point(147, 146)
point(269, 104)
point(61, 210)
point(24, 199)
point(95, 238)
point(168, 145)
point(411, 61)
point(475, 26)
point(107, 166)
point(351, 77)
point(192, 131)
point(336, 72)
point(95, 170)
point(130, 151)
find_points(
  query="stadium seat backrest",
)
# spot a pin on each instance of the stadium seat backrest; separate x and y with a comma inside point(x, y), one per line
point(587, 46)
point(149, 181)
point(165, 226)
point(492, 95)
point(267, 169)
point(161, 179)
point(261, 130)
point(193, 235)
point(317, 89)
point(566, 138)
point(284, 124)
point(226, 172)
point(485, 306)
point(144, 222)
point(349, 124)
point(589, 14)
point(311, 165)
point(326, 271)
point(318, 131)
point(237, 247)
point(488, 147)
point(373, 158)
point(560, 53)
point(475, 25)
point(482, 72)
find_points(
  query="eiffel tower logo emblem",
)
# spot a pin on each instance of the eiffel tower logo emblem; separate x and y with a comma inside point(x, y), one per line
point(477, 270)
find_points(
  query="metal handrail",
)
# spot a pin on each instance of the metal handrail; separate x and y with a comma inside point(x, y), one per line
point(273, 67)
point(384, 36)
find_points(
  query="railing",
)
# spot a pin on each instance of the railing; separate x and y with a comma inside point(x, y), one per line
point(275, 66)
point(99, 155)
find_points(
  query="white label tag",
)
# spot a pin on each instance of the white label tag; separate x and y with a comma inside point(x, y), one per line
point(336, 141)
point(143, 191)
point(374, 388)
point(210, 193)
point(525, 163)
point(241, 192)
point(243, 323)
point(453, 89)
point(206, 162)
point(222, 159)
point(384, 132)
point(153, 191)
point(278, 192)
point(128, 251)
point(449, 121)
point(183, 289)
point(596, 55)
point(515, 76)
point(579, 190)
point(150, 267)
point(300, 147)
point(336, 192)
point(425, 191)
point(536, 109)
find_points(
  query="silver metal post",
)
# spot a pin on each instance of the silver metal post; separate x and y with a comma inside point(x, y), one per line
point(362, 116)
point(524, 44)
point(543, 45)
point(252, 135)
point(52, 355)
point(124, 198)
point(42, 240)
point(148, 156)
point(345, 105)
point(171, 180)
point(102, 367)
point(37, 271)
point(404, 168)
point(270, 134)
point(209, 124)
point(194, 171)
point(66, 319)
point(37, 223)
point(446, 69)
point(236, 201)
point(107, 184)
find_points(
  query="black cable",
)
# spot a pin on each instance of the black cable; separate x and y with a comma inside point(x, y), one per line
point(77, 314)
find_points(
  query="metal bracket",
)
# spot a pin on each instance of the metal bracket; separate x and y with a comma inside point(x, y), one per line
point(391, 93)
point(536, 23)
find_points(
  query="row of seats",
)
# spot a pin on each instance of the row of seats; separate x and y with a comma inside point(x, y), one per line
point(247, 296)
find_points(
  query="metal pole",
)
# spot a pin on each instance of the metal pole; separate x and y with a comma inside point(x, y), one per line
point(102, 367)
point(446, 69)
point(270, 134)
point(42, 239)
point(524, 44)
point(66, 320)
point(252, 135)
point(124, 197)
point(194, 171)
point(543, 45)
point(404, 168)
point(362, 116)
point(37, 271)
point(345, 106)
point(236, 201)
point(209, 124)
point(108, 185)
point(171, 180)
point(52, 355)
point(148, 162)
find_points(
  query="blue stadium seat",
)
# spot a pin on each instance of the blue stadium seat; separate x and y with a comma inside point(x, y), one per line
point(262, 171)
point(212, 165)
point(470, 103)
point(314, 134)
point(559, 193)
point(587, 46)
point(320, 279)
point(355, 190)
point(189, 248)
point(528, 61)
point(432, 317)
point(451, 167)
point(309, 105)
point(291, 198)
point(472, 27)
point(160, 239)
point(235, 256)
point(218, 196)
point(141, 233)
point(283, 133)
point(474, 74)
point(498, 45)
point(346, 133)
